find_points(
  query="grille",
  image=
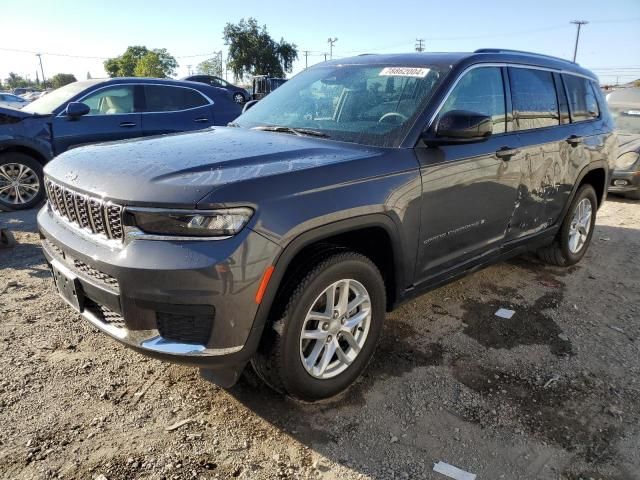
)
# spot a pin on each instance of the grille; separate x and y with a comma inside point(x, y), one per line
point(84, 269)
point(90, 213)
point(104, 314)
point(95, 274)
point(184, 328)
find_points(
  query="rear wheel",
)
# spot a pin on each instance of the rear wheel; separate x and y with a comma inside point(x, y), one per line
point(328, 331)
point(575, 234)
point(21, 181)
point(238, 98)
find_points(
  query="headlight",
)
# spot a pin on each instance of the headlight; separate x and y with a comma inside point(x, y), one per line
point(216, 223)
point(626, 160)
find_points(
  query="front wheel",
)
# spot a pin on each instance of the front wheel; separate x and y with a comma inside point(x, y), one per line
point(575, 234)
point(328, 331)
point(21, 181)
point(238, 98)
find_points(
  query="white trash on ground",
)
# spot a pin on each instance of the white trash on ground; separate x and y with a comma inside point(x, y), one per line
point(453, 472)
point(505, 313)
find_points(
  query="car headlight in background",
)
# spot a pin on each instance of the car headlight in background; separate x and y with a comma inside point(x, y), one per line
point(212, 223)
point(626, 160)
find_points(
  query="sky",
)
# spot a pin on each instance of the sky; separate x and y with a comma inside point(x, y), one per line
point(69, 32)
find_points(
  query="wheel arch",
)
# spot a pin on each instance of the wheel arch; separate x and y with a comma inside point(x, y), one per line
point(17, 147)
point(340, 235)
point(595, 174)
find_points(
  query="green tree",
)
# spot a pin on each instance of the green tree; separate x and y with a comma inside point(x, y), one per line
point(156, 63)
point(211, 66)
point(14, 81)
point(252, 51)
point(139, 61)
point(637, 83)
point(62, 79)
point(125, 64)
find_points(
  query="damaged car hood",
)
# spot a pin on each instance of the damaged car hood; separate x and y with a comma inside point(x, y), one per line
point(180, 169)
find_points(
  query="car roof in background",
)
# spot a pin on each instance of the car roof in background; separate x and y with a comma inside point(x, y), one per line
point(446, 59)
point(158, 81)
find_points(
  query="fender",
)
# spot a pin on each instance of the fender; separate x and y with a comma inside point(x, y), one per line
point(588, 168)
point(41, 149)
point(283, 261)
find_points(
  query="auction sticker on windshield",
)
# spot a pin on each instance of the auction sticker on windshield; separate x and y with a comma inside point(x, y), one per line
point(404, 72)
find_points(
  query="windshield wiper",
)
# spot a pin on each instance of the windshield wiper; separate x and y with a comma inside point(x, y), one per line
point(301, 132)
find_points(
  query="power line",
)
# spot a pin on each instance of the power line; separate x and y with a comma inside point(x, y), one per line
point(419, 44)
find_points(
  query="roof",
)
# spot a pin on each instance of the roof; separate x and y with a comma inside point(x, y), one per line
point(485, 55)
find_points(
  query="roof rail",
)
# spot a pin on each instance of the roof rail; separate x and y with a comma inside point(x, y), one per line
point(522, 52)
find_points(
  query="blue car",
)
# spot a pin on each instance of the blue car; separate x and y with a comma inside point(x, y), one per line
point(98, 111)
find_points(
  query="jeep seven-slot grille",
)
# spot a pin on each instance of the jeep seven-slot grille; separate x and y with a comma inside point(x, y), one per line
point(90, 213)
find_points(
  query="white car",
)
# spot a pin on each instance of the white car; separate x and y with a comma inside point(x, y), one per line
point(12, 101)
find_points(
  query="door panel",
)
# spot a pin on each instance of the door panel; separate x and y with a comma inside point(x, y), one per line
point(112, 116)
point(469, 193)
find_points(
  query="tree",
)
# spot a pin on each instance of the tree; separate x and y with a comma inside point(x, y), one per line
point(211, 66)
point(62, 79)
point(14, 80)
point(252, 51)
point(140, 61)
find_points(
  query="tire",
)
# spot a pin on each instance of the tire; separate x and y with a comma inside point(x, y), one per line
point(32, 176)
point(239, 98)
point(279, 360)
point(561, 252)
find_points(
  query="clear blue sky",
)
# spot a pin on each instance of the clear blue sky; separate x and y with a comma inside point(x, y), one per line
point(610, 43)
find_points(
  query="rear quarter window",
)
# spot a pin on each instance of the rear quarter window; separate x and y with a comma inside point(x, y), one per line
point(533, 94)
point(582, 99)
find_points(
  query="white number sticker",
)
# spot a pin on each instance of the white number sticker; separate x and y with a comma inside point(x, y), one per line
point(404, 72)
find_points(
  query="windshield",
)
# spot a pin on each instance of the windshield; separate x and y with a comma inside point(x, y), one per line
point(627, 119)
point(366, 104)
point(46, 104)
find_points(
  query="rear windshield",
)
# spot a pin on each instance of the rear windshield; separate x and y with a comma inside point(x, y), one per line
point(366, 104)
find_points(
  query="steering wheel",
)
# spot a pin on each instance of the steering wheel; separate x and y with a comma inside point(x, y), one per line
point(392, 114)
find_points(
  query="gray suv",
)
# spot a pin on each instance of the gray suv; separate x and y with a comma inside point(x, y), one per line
point(282, 239)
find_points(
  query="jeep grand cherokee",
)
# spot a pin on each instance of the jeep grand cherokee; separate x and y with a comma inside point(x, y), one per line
point(282, 239)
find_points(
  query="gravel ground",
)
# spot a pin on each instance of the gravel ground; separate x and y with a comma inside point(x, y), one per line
point(552, 393)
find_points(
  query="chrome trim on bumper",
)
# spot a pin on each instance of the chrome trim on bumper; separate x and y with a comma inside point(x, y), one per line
point(152, 341)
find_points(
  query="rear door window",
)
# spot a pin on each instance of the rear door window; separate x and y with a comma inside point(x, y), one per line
point(166, 98)
point(480, 91)
point(582, 99)
point(533, 95)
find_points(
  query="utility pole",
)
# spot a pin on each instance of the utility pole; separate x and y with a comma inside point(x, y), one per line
point(44, 82)
point(306, 62)
point(331, 42)
point(325, 56)
point(579, 24)
point(189, 69)
point(419, 44)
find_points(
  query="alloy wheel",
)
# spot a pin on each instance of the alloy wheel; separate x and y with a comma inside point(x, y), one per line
point(335, 329)
point(19, 184)
point(580, 226)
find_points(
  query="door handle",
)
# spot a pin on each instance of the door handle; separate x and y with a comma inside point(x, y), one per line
point(505, 153)
point(201, 120)
point(574, 140)
point(127, 124)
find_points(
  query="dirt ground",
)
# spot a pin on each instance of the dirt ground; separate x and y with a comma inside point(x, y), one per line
point(552, 393)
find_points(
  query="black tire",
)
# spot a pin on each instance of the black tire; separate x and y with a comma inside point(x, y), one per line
point(36, 167)
point(558, 253)
point(278, 361)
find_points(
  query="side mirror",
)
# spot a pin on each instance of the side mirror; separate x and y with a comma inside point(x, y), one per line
point(76, 109)
point(461, 126)
point(248, 105)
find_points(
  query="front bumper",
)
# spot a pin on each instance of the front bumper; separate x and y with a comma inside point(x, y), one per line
point(152, 295)
point(624, 181)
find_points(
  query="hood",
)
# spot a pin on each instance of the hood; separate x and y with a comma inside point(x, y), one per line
point(179, 170)
point(628, 143)
point(15, 113)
